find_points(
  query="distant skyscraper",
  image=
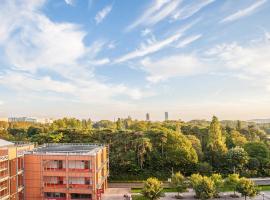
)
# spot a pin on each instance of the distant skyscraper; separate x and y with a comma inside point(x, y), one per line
point(166, 116)
point(147, 117)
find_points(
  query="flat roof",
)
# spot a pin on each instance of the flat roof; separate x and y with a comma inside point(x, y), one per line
point(4, 143)
point(73, 148)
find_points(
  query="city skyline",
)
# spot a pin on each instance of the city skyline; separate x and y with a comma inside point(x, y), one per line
point(109, 59)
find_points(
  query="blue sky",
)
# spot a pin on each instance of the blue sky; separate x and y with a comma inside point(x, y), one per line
point(106, 59)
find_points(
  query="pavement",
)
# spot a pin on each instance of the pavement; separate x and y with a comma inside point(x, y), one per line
point(118, 193)
point(115, 193)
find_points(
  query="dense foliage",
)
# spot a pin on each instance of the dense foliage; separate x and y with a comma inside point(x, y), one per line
point(152, 189)
point(140, 149)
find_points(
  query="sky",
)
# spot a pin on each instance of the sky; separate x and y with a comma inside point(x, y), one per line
point(104, 59)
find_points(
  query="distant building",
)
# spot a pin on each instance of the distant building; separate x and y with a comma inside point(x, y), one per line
point(166, 116)
point(22, 119)
point(147, 117)
point(45, 120)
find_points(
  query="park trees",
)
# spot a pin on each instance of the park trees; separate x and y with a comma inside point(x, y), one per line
point(203, 186)
point(216, 147)
point(179, 183)
point(237, 158)
point(232, 180)
point(247, 188)
point(152, 189)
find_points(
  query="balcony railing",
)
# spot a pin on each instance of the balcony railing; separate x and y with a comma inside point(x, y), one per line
point(69, 169)
point(55, 185)
point(80, 186)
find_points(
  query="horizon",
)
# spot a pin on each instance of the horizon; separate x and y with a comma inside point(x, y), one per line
point(114, 59)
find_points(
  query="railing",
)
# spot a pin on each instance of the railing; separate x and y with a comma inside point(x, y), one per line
point(80, 186)
point(69, 169)
point(54, 185)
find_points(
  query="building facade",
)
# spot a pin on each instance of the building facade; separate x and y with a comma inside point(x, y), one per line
point(66, 171)
point(22, 119)
point(12, 170)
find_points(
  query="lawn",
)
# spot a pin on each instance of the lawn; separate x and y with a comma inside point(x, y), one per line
point(138, 190)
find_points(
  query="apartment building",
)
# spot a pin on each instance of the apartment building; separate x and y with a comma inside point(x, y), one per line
point(66, 171)
point(12, 169)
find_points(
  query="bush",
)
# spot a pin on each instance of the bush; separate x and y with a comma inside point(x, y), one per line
point(179, 183)
point(247, 188)
point(203, 186)
point(152, 189)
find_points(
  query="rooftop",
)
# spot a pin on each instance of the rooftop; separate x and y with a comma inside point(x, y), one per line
point(63, 149)
point(4, 143)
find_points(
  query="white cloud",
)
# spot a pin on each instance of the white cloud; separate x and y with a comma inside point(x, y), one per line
point(101, 15)
point(70, 2)
point(250, 62)
point(156, 12)
point(191, 9)
point(146, 32)
point(172, 66)
point(188, 40)
point(244, 12)
point(153, 47)
point(1, 102)
point(32, 44)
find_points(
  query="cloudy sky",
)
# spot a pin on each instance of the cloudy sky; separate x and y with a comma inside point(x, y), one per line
point(106, 59)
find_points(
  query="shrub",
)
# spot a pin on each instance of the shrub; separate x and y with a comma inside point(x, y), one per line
point(247, 188)
point(152, 189)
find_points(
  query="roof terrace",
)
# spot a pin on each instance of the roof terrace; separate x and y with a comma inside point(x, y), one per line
point(67, 148)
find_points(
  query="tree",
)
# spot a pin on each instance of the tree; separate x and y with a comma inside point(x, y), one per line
point(204, 168)
point(179, 183)
point(232, 181)
point(143, 146)
point(257, 150)
point(152, 189)
point(216, 147)
point(218, 182)
point(196, 144)
point(204, 187)
point(237, 158)
point(179, 151)
point(247, 188)
point(236, 139)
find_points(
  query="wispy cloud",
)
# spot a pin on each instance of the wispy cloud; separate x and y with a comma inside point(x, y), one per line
point(145, 50)
point(156, 12)
point(244, 12)
point(154, 45)
point(40, 45)
point(70, 2)
point(188, 40)
point(171, 66)
point(191, 9)
point(101, 15)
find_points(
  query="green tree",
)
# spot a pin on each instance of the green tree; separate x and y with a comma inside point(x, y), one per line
point(247, 188)
point(178, 182)
point(204, 188)
point(143, 146)
point(218, 182)
point(237, 158)
point(216, 147)
point(232, 181)
point(152, 189)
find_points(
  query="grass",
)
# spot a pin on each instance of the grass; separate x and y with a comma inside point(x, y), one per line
point(138, 197)
point(265, 187)
point(138, 190)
